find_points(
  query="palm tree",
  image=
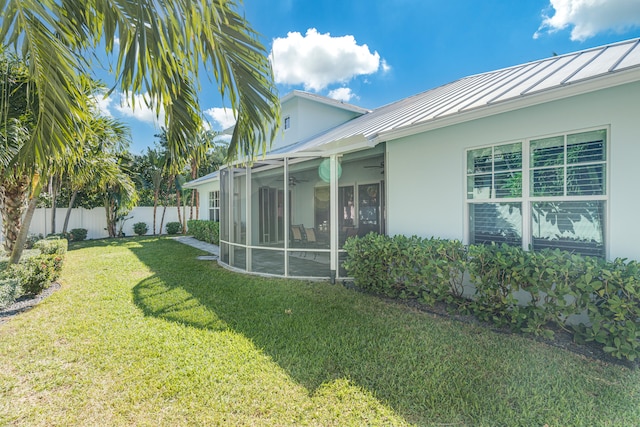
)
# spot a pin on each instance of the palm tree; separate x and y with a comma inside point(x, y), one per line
point(19, 182)
point(163, 47)
point(96, 164)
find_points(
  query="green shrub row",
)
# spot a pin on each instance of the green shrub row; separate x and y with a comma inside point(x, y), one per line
point(36, 273)
point(9, 290)
point(75, 235)
point(206, 231)
point(528, 291)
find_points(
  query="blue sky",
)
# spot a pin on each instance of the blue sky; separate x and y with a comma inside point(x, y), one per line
point(373, 52)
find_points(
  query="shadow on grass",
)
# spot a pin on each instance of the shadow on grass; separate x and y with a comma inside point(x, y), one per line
point(425, 369)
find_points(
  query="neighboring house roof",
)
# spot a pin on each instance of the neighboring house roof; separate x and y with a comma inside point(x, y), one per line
point(202, 180)
point(323, 100)
point(483, 95)
point(315, 98)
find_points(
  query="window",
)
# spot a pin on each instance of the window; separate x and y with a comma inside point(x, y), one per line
point(287, 122)
point(214, 206)
point(540, 193)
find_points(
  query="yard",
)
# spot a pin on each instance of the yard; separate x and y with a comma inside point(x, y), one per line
point(142, 333)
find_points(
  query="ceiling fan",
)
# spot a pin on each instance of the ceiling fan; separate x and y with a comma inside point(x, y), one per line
point(381, 166)
point(293, 181)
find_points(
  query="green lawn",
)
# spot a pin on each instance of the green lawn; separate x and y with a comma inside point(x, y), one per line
point(142, 333)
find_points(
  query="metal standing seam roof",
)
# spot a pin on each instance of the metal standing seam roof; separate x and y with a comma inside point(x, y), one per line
point(485, 90)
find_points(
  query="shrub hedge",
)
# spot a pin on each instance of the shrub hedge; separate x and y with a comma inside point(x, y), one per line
point(531, 292)
point(36, 273)
point(173, 227)
point(9, 290)
point(206, 231)
point(140, 228)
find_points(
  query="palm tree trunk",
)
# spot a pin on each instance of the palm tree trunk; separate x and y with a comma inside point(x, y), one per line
point(197, 203)
point(72, 201)
point(155, 208)
point(179, 203)
point(53, 190)
point(13, 195)
point(164, 210)
point(21, 239)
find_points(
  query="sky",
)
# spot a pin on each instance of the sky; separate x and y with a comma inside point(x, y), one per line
point(374, 52)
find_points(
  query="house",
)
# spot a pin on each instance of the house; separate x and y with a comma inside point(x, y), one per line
point(537, 155)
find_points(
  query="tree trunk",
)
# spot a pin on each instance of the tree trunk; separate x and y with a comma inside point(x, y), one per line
point(18, 247)
point(156, 195)
point(191, 203)
point(110, 209)
point(13, 196)
point(69, 209)
point(53, 191)
point(179, 203)
point(197, 193)
point(164, 210)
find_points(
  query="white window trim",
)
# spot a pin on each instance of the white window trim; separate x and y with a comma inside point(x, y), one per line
point(526, 200)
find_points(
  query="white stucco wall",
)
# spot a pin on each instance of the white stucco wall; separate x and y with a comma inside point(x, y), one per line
point(204, 190)
point(425, 173)
point(308, 118)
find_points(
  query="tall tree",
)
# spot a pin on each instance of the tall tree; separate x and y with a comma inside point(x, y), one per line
point(19, 181)
point(163, 47)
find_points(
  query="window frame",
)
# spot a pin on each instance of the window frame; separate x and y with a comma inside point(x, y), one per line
point(286, 123)
point(214, 205)
point(527, 199)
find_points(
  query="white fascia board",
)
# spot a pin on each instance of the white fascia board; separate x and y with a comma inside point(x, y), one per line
point(572, 89)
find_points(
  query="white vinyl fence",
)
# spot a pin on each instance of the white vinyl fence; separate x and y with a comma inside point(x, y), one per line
point(94, 220)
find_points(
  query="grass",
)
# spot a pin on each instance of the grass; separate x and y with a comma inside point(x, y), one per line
point(144, 334)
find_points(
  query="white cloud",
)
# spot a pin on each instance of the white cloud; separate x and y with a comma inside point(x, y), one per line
point(103, 103)
point(317, 60)
point(342, 94)
point(139, 110)
point(222, 116)
point(590, 17)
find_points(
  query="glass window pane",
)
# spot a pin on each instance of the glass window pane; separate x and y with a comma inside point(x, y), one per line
point(586, 147)
point(573, 226)
point(547, 152)
point(508, 184)
point(479, 187)
point(479, 161)
point(586, 180)
point(547, 182)
point(495, 222)
point(508, 157)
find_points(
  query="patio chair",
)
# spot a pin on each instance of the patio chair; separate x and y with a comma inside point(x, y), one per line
point(311, 239)
point(297, 235)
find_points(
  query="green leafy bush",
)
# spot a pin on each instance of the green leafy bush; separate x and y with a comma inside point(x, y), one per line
point(407, 267)
point(173, 227)
point(532, 292)
point(206, 231)
point(32, 239)
point(140, 228)
point(610, 293)
point(52, 246)
point(9, 290)
point(78, 234)
point(35, 273)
